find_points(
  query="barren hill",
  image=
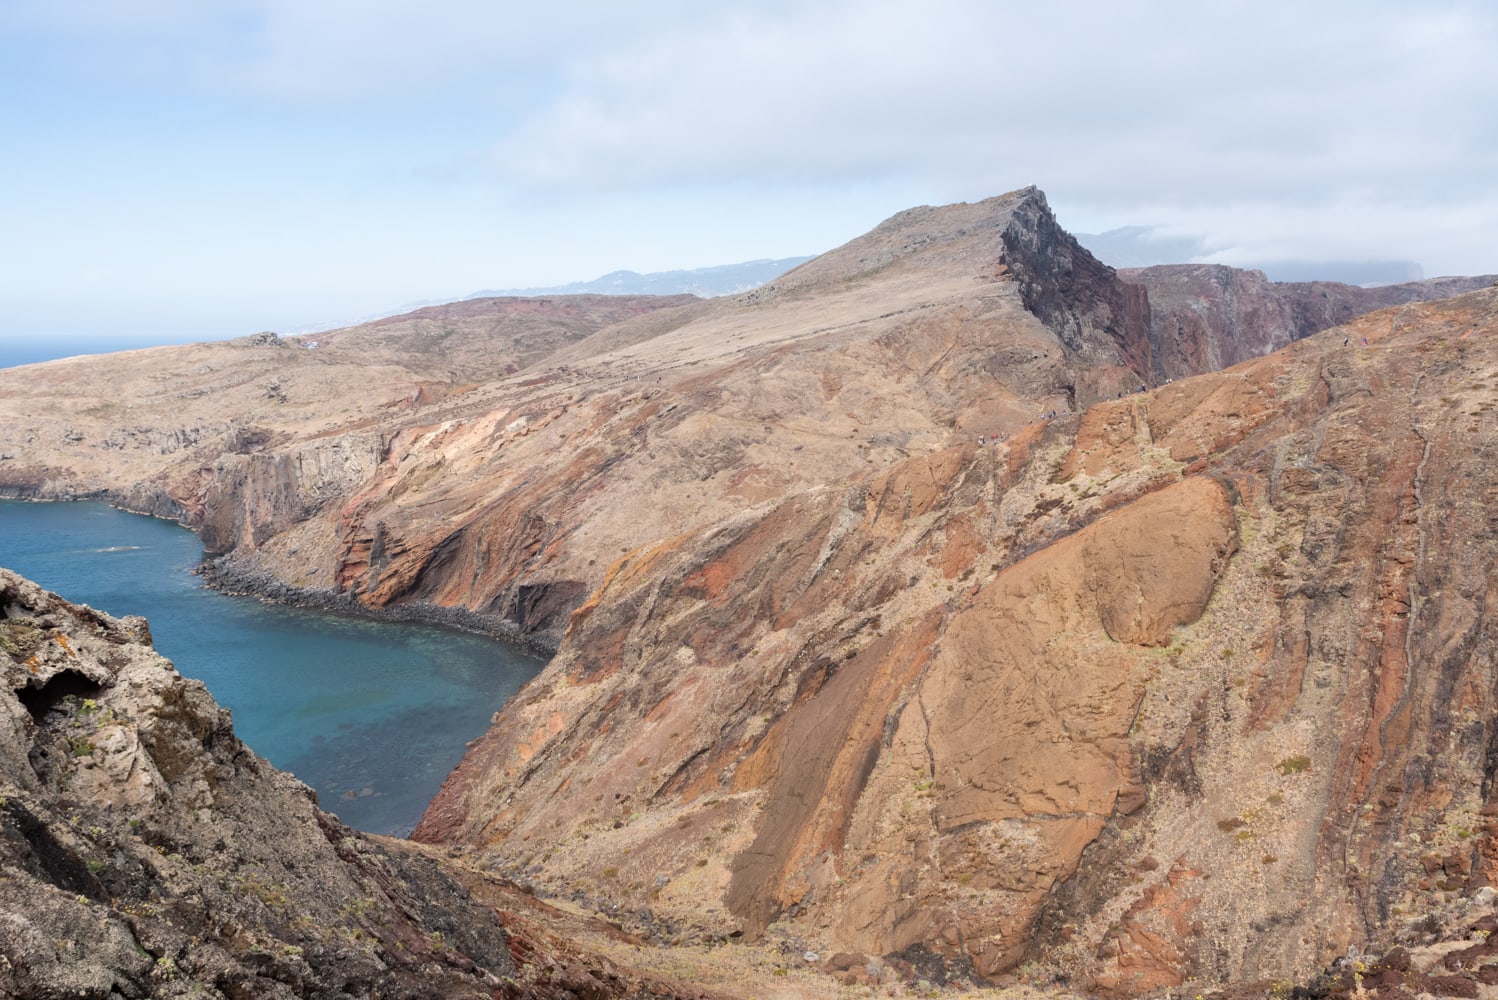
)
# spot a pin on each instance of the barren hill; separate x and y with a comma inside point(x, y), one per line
point(892, 619)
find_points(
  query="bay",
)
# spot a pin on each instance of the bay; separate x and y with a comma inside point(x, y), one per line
point(373, 715)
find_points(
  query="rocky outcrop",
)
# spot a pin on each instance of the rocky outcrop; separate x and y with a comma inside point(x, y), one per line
point(1101, 319)
point(258, 492)
point(146, 849)
point(146, 852)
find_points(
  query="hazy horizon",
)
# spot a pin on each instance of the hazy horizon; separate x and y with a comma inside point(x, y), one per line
point(208, 170)
point(1134, 247)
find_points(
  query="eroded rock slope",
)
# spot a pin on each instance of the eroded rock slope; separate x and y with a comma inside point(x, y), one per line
point(1195, 684)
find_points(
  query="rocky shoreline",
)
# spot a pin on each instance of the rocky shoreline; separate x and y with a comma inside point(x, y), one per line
point(225, 575)
point(146, 852)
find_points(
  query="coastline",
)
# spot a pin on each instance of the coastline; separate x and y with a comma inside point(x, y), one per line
point(223, 574)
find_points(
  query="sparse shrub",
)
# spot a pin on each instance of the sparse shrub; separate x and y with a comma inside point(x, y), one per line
point(1294, 765)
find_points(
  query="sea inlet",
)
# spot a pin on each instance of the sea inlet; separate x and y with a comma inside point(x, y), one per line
point(373, 715)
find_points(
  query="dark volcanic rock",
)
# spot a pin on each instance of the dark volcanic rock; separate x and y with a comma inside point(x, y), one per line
point(1078, 297)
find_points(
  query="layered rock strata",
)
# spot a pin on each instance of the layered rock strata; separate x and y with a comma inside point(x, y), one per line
point(373, 467)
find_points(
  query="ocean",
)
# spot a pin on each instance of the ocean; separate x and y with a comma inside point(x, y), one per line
point(21, 350)
point(372, 715)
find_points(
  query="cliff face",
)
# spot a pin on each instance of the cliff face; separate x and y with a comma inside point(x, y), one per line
point(1141, 686)
point(1104, 321)
point(1204, 317)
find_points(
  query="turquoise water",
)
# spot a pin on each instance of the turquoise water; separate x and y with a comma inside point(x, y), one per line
point(373, 715)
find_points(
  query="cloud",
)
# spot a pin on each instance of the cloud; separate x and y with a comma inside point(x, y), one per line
point(333, 52)
point(1099, 102)
point(1183, 100)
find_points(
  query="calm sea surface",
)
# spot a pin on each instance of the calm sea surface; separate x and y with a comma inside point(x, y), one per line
point(371, 714)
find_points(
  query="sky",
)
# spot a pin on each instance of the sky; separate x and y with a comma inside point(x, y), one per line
point(177, 170)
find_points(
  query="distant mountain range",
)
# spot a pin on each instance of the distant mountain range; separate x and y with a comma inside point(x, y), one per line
point(706, 282)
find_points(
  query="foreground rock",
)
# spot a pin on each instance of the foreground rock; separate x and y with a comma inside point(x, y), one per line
point(144, 851)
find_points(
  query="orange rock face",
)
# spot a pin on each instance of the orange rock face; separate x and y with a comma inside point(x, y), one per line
point(1014, 742)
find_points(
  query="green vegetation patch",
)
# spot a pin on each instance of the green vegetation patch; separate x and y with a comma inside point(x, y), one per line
point(1294, 765)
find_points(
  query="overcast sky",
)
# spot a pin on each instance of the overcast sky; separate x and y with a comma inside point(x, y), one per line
point(197, 169)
